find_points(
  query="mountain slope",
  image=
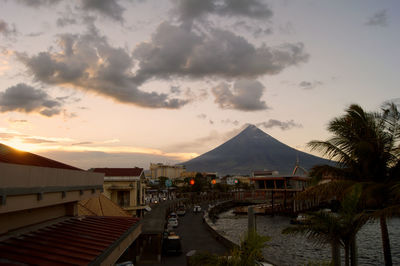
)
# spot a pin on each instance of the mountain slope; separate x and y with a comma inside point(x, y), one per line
point(252, 149)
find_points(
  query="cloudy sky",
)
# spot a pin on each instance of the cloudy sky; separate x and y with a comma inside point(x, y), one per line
point(121, 83)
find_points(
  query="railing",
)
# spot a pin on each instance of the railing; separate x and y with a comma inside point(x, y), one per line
point(276, 201)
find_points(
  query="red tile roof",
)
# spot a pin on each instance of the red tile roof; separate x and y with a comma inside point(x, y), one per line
point(11, 155)
point(119, 171)
point(78, 241)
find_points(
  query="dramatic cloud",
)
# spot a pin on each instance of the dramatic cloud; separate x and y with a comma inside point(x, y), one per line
point(175, 50)
point(18, 121)
point(189, 10)
point(244, 96)
point(34, 34)
point(202, 116)
point(83, 143)
point(378, 19)
point(307, 85)
point(32, 140)
point(254, 27)
point(229, 121)
point(24, 98)
point(249, 8)
point(109, 8)
point(65, 21)
point(282, 125)
point(203, 144)
point(7, 30)
point(39, 3)
point(89, 63)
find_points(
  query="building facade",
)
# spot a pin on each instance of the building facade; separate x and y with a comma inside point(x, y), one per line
point(39, 220)
point(125, 187)
point(170, 171)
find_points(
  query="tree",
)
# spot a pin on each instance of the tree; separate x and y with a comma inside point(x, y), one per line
point(366, 148)
point(321, 227)
point(162, 180)
point(249, 250)
point(337, 229)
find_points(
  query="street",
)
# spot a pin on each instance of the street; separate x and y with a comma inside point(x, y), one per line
point(194, 236)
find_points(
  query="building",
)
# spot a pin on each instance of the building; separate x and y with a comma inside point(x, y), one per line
point(125, 187)
point(269, 180)
point(39, 222)
point(170, 171)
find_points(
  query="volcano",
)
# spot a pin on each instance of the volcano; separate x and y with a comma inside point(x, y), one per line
point(252, 149)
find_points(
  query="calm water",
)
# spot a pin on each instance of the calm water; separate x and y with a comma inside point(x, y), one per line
point(297, 250)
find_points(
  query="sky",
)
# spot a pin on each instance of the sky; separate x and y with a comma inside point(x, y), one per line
point(122, 83)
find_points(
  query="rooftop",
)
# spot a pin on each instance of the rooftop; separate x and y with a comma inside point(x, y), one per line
point(78, 241)
point(11, 155)
point(119, 171)
point(100, 206)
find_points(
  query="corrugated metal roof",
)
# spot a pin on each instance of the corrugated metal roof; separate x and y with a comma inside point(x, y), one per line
point(119, 171)
point(77, 241)
point(11, 155)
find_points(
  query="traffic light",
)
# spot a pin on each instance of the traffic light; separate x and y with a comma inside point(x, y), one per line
point(191, 182)
point(236, 181)
point(213, 181)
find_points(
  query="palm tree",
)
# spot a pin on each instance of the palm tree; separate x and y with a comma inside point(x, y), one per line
point(337, 229)
point(366, 148)
point(321, 227)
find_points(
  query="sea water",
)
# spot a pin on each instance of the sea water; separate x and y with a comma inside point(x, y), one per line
point(298, 250)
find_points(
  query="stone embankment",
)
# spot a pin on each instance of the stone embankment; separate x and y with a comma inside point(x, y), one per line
point(211, 215)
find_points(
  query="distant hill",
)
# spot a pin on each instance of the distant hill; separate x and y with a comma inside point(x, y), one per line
point(252, 149)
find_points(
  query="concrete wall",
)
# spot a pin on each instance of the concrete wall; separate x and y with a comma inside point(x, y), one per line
point(15, 220)
point(31, 201)
point(31, 194)
point(26, 187)
point(14, 175)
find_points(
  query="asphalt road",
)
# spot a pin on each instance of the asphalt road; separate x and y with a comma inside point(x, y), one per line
point(194, 236)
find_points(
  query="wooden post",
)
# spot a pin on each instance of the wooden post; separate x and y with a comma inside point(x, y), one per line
point(284, 200)
point(272, 195)
point(251, 219)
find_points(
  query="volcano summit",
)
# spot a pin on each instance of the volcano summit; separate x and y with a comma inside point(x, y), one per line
point(252, 149)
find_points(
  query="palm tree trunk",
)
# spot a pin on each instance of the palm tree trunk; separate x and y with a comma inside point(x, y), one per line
point(385, 241)
point(353, 252)
point(336, 253)
point(346, 253)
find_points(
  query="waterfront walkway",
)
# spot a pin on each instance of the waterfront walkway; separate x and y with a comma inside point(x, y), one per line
point(194, 236)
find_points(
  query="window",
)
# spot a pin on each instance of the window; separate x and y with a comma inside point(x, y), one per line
point(123, 198)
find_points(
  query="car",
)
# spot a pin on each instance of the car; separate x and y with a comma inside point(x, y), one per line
point(196, 208)
point(172, 244)
point(173, 215)
point(173, 222)
point(181, 212)
point(125, 263)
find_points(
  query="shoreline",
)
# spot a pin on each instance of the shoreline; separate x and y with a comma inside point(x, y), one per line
point(222, 238)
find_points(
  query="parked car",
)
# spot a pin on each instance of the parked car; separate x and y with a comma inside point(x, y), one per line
point(173, 215)
point(125, 263)
point(196, 209)
point(173, 221)
point(181, 211)
point(300, 219)
point(172, 244)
